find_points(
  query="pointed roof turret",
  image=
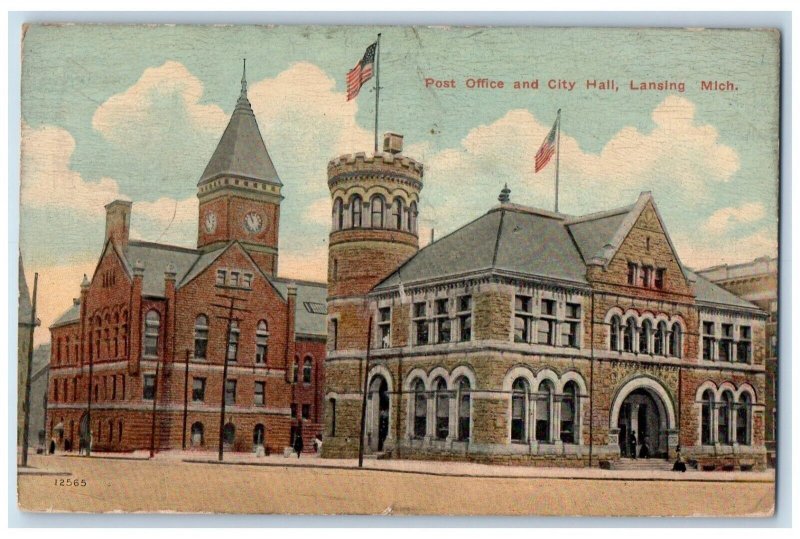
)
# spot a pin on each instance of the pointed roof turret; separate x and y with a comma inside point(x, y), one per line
point(241, 151)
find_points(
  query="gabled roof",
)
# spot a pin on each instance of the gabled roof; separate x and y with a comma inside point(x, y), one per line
point(508, 239)
point(708, 292)
point(156, 257)
point(241, 150)
point(520, 240)
point(70, 316)
point(309, 318)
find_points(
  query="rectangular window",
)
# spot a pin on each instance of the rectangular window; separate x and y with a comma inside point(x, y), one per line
point(569, 334)
point(247, 280)
point(547, 323)
point(306, 411)
point(198, 389)
point(632, 273)
point(293, 409)
point(230, 392)
point(149, 387)
point(708, 341)
point(385, 326)
point(258, 394)
point(726, 343)
point(523, 318)
point(233, 341)
point(465, 317)
point(645, 276)
point(222, 275)
point(659, 282)
point(442, 322)
point(420, 324)
point(335, 334)
point(234, 278)
point(743, 347)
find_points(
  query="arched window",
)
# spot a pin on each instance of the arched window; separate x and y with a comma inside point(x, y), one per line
point(463, 388)
point(420, 408)
point(569, 413)
point(629, 335)
point(258, 436)
point(377, 205)
point(338, 214)
point(296, 369)
point(110, 431)
point(644, 337)
point(397, 213)
point(332, 417)
point(119, 431)
point(200, 336)
point(705, 417)
point(442, 408)
point(197, 434)
point(743, 408)
point(520, 391)
point(152, 324)
point(262, 336)
point(229, 434)
point(412, 218)
point(675, 341)
point(659, 339)
point(544, 410)
point(355, 211)
point(724, 418)
point(307, 367)
point(233, 341)
point(614, 342)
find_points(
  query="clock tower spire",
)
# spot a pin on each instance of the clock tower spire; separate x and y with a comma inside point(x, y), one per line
point(240, 190)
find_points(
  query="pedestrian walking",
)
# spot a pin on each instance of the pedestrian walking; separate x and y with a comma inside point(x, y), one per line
point(298, 443)
point(679, 465)
point(632, 444)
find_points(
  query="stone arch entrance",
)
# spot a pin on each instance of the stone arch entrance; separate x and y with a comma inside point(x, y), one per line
point(644, 417)
point(378, 404)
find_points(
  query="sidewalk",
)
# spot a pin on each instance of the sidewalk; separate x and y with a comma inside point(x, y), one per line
point(469, 469)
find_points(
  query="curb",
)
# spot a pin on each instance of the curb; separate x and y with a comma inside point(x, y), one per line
point(478, 476)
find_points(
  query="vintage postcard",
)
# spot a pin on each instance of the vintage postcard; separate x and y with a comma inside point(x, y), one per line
point(398, 270)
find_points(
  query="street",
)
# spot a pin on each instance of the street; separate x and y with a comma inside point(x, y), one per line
point(170, 484)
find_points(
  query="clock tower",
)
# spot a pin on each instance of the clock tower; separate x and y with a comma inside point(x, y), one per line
point(240, 191)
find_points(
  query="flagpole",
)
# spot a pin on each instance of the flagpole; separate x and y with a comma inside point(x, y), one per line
point(377, 86)
point(558, 151)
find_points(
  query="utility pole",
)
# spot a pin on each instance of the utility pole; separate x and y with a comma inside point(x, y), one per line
point(26, 422)
point(230, 319)
point(185, 398)
point(364, 398)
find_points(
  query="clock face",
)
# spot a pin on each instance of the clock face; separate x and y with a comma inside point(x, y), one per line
point(210, 222)
point(253, 222)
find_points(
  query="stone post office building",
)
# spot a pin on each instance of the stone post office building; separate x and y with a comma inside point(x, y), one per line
point(528, 336)
point(138, 358)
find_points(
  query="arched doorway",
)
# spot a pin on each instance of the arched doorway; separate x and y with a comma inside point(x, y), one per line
point(377, 413)
point(197, 434)
point(228, 435)
point(644, 415)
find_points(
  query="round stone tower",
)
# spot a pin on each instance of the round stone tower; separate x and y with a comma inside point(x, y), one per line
point(374, 230)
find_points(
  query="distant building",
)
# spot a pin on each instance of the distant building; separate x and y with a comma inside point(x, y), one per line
point(24, 330)
point(528, 336)
point(757, 282)
point(39, 378)
point(150, 330)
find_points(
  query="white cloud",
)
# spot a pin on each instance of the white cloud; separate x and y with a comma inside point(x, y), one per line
point(139, 105)
point(319, 211)
point(166, 220)
point(724, 219)
point(48, 181)
point(702, 251)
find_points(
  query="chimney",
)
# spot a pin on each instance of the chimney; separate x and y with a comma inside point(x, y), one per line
point(118, 222)
point(392, 143)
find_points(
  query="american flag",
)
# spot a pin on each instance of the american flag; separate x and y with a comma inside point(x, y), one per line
point(548, 147)
point(361, 73)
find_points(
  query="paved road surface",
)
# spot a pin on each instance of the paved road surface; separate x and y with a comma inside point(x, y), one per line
point(171, 485)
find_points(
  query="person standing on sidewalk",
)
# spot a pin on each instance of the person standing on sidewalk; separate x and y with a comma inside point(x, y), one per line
point(298, 440)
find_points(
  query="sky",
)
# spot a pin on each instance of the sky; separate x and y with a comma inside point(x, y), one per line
point(135, 112)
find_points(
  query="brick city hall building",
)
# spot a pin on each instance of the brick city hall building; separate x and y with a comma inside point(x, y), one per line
point(143, 349)
point(528, 336)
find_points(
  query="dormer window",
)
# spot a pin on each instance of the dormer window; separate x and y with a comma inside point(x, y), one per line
point(646, 276)
point(632, 271)
point(659, 281)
